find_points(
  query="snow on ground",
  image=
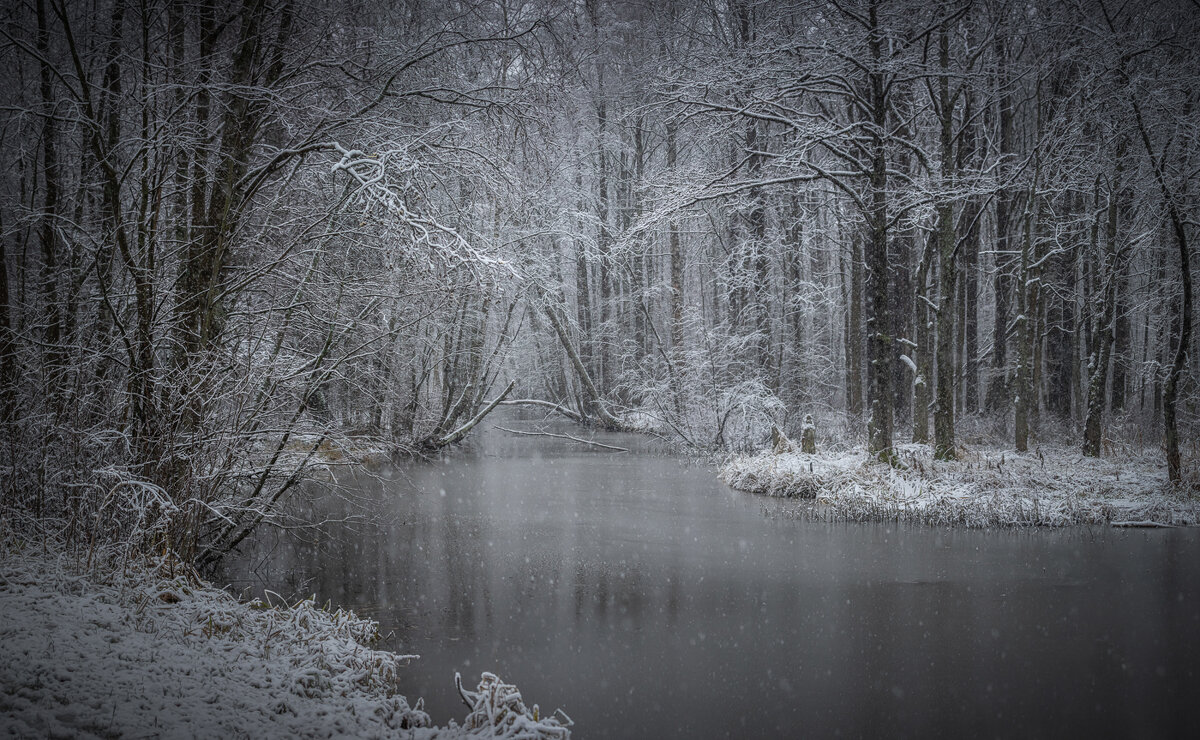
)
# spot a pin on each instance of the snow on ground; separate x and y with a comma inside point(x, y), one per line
point(137, 653)
point(985, 488)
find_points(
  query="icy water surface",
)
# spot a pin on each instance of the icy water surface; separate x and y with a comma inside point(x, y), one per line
point(648, 600)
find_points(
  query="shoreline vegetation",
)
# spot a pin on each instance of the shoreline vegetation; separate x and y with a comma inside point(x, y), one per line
point(139, 649)
point(987, 485)
point(1048, 486)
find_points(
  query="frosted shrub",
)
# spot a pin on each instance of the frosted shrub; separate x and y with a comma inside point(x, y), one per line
point(497, 710)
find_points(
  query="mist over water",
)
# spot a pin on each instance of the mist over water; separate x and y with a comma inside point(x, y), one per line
point(647, 599)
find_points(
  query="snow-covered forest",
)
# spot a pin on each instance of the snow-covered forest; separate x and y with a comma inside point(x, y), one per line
point(245, 240)
point(239, 235)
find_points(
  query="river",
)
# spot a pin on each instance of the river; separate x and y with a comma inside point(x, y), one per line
point(648, 600)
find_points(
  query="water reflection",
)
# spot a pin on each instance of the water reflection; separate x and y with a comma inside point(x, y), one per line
point(648, 600)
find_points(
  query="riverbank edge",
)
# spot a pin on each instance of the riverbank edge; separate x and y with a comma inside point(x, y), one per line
point(986, 487)
point(145, 648)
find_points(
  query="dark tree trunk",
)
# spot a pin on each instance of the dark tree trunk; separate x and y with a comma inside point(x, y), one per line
point(675, 248)
point(637, 271)
point(49, 221)
point(1170, 392)
point(998, 396)
point(1121, 341)
point(879, 342)
point(901, 296)
point(923, 352)
point(8, 375)
point(1105, 331)
point(1025, 390)
point(943, 415)
point(854, 331)
point(757, 269)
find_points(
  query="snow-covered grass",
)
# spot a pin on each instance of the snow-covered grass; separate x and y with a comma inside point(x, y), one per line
point(1050, 486)
point(140, 652)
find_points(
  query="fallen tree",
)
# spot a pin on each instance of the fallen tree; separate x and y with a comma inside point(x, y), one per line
point(573, 438)
point(555, 407)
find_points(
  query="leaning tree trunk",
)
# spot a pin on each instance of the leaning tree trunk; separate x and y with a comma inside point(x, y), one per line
point(594, 401)
point(1171, 387)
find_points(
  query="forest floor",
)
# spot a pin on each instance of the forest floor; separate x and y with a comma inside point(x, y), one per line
point(139, 653)
point(987, 487)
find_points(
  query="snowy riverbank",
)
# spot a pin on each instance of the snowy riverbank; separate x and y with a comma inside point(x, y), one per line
point(986, 488)
point(140, 653)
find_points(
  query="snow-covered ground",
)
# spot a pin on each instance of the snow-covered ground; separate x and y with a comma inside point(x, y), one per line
point(1050, 486)
point(137, 653)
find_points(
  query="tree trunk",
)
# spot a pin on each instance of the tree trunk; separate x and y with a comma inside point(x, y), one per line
point(676, 257)
point(997, 395)
point(1121, 346)
point(1027, 294)
point(854, 331)
point(970, 155)
point(758, 266)
point(1170, 391)
point(8, 375)
point(607, 420)
point(923, 352)
point(1104, 333)
point(879, 343)
point(48, 223)
point(943, 415)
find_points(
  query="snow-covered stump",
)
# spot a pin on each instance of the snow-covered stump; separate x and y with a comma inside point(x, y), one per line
point(808, 436)
point(780, 444)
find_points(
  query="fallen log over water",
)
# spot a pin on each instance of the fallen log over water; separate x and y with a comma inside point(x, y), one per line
point(614, 448)
point(557, 408)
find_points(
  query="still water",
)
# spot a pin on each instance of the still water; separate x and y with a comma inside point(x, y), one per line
point(648, 600)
